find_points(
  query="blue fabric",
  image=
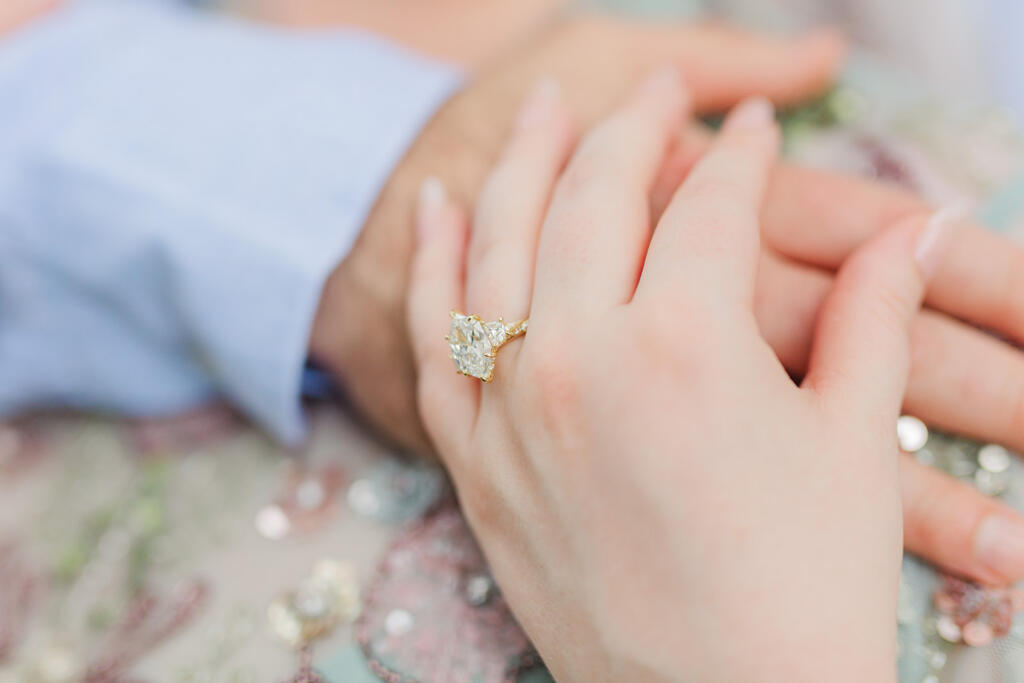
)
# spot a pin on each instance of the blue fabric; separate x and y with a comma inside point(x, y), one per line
point(175, 188)
point(1003, 27)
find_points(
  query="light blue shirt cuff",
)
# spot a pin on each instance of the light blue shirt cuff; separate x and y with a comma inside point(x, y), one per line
point(175, 188)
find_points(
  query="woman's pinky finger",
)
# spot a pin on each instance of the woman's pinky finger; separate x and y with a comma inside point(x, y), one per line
point(447, 401)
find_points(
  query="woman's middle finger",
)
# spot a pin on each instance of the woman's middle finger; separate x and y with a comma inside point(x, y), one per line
point(598, 227)
point(511, 208)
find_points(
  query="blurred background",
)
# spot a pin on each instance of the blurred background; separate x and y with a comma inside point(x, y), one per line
point(971, 51)
point(196, 549)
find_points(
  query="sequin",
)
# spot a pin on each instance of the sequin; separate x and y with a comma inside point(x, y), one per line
point(398, 622)
point(327, 597)
point(947, 629)
point(994, 458)
point(426, 575)
point(991, 483)
point(479, 588)
point(396, 491)
point(977, 633)
point(925, 457)
point(973, 614)
point(363, 499)
point(309, 495)
point(911, 433)
point(960, 465)
point(273, 523)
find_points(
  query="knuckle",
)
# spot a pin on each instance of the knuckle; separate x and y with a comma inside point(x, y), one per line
point(890, 309)
point(886, 289)
point(664, 333)
point(551, 380)
point(662, 324)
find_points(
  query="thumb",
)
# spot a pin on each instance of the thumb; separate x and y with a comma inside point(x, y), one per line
point(861, 354)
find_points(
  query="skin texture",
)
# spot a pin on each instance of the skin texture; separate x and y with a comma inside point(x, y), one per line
point(462, 141)
point(645, 347)
point(961, 379)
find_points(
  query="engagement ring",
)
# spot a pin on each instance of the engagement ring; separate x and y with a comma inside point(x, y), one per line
point(475, 343)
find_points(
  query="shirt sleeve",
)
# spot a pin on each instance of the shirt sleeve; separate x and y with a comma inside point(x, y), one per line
point(175, 188)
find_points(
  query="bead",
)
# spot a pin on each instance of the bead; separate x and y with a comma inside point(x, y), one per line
point(327, 597)
point(911, 433)
point(396, 491)
point(363, 499)
point(991, 483)
point(947, 629)
point(479, 589)
point(994, 458)
point(925, 456)
point(273, 523)
point(977, 633)
point(398, 622)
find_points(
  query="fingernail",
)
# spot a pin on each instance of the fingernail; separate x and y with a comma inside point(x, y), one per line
point(432, 200)
point(934, 240)
point(999, 546)
point(666, 79)
point(540, 104)
point(755, 112)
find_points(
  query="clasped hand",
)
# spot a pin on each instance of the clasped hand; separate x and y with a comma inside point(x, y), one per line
point(657, 498)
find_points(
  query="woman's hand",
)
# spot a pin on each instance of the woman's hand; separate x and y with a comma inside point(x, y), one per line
point(596, 60)
point(656, 497)
point(961, 378)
